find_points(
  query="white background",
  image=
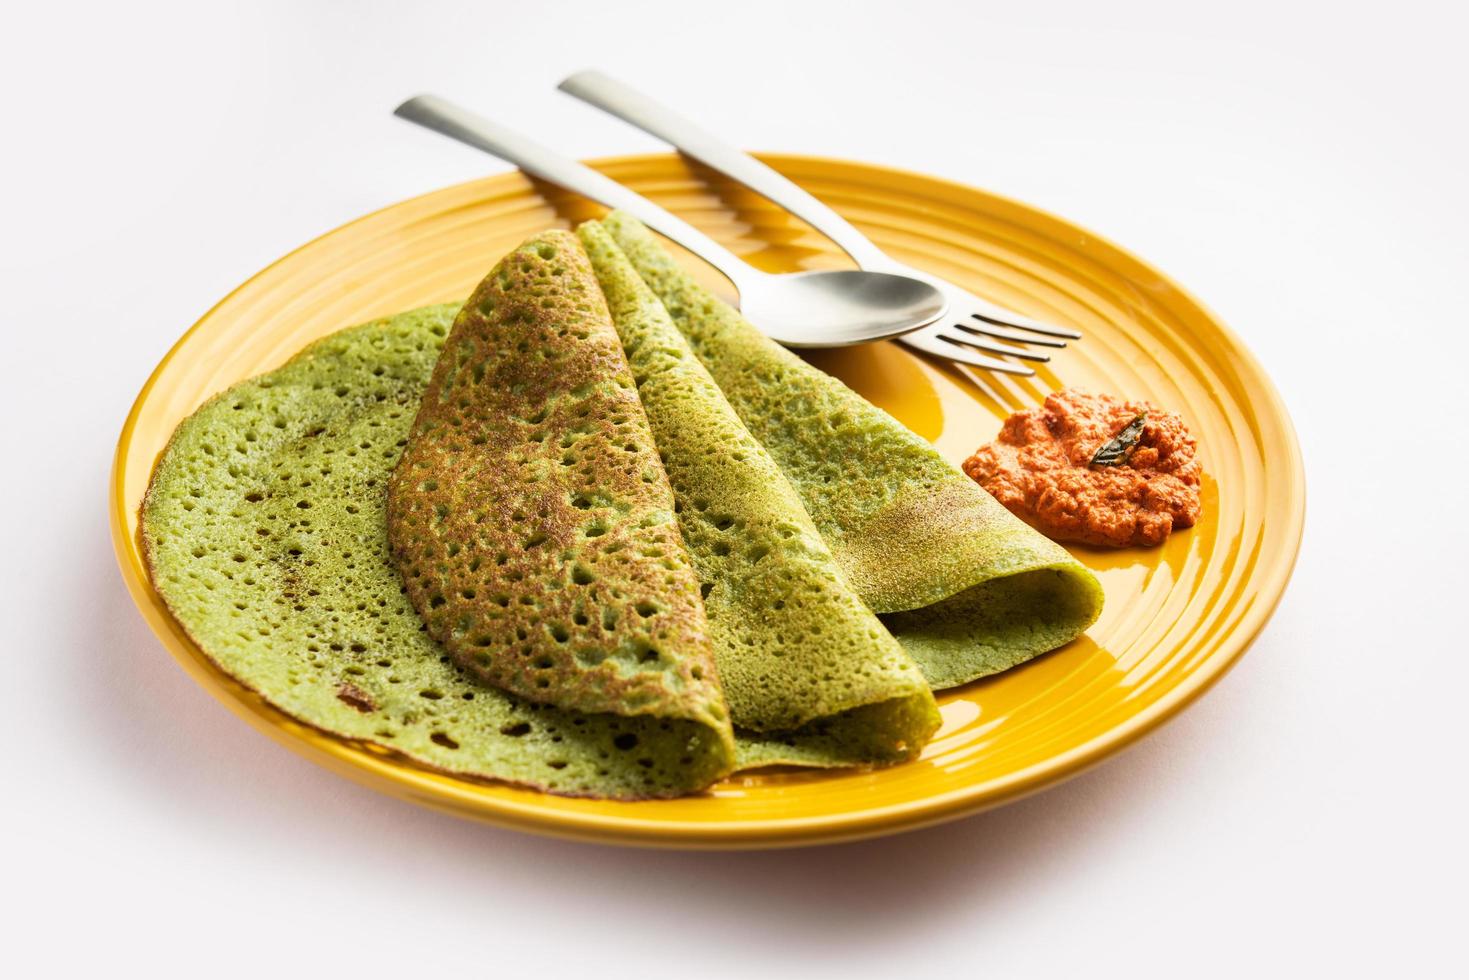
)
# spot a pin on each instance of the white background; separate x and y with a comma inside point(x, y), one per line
point(1300, 168)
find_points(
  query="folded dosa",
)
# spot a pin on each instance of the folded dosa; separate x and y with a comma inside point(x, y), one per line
point(810, 675)
point(966, 587)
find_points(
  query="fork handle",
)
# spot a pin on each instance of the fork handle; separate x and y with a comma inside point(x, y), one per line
point(458, 123)
point(630, 105)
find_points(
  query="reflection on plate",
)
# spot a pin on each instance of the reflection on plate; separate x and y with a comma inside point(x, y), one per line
point(1177, 616)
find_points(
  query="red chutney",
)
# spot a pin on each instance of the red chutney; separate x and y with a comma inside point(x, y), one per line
point(1040, 467)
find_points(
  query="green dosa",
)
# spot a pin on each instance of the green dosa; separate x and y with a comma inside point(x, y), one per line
point(530, 515)
point(965, 586)
point(809, 673)
point(265, 532)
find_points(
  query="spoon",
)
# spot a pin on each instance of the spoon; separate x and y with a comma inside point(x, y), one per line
point(828, 308)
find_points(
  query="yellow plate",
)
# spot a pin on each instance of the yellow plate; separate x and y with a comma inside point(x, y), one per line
point(1177, 617)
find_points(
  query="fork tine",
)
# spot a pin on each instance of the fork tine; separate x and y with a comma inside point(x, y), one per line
point(969, 339)
point(999, 316)
point(930, 341)
point(1004, 333)
point(1004, 318)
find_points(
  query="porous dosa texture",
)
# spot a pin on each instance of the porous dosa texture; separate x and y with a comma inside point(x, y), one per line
point(530, 515)
point(967, 587)
point(809, 673)
point(265, 533)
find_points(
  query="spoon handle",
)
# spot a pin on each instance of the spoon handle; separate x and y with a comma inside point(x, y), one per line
point(455, 122)
point(630, 105)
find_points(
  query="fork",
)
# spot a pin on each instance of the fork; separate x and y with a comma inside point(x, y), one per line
point(973, 328)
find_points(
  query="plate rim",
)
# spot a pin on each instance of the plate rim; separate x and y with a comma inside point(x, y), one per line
point(423, 787)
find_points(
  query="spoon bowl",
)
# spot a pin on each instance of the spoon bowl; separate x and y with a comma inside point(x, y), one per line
point(837, 308)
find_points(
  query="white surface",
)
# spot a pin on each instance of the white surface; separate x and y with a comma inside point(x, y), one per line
point(1301, 169)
